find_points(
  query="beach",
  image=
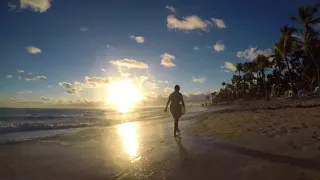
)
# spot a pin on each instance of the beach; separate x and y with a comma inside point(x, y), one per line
point(251, 142)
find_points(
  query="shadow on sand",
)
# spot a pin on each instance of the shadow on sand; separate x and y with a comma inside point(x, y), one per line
point(182, 150)
point(305, 163)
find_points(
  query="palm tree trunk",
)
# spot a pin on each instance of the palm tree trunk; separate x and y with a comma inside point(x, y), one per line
point(265, 85)
point(315, 62)
point(289, 70)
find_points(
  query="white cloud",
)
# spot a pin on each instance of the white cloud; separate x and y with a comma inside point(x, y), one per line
point(153, 85)
point(200, 80)
point(46, 99)
point(24, 92)
point(195, 96)
point(219, 23)
point(35, 5)
point(9, 76)
point(125, 74)
point(171, 9)
point(11, 6)
point(167, 59)
point(187, 23)
point(138, 39)
point(103, 70)
point(49, 86)
point(129, 63)
point(93, 82)
point(219, 47)
point(33, 50)
point(34, 78)
point(196, 48)
point(69, 88)
point(167, 90)
point(228, 66)
point(83, 29)
point(65, 85)
point(160, 81)
point(20, 71)
point(252, 52)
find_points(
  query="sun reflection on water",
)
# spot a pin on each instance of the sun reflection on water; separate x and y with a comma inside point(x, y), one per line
point(128, 133)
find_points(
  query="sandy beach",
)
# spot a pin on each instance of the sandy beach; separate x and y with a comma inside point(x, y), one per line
point(238, 143)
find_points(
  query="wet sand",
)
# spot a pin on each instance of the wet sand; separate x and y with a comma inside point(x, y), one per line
point(148, 150)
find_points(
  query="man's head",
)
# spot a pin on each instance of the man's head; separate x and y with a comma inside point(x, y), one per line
point(177, 88)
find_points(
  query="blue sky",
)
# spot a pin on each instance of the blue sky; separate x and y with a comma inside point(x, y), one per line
point(69, 40)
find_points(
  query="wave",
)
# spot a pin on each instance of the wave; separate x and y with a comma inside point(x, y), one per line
point(25, 127)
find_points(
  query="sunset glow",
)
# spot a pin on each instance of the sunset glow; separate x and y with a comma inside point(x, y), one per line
point(123, 95)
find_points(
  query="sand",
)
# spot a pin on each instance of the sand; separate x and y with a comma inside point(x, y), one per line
point(240, 143)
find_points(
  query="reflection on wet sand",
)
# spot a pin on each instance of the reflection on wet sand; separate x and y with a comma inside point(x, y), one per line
point(128, 133)
point(182, 150)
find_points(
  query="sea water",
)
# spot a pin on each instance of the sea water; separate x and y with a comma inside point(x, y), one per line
point(20, 124)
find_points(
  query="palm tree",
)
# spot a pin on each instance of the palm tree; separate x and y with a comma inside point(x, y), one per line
point(263, 62)
point(309, 41)
point(285, 46)
point(239, 67)
point(307, 17)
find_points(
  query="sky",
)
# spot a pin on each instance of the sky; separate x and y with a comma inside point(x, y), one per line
point(68, 52)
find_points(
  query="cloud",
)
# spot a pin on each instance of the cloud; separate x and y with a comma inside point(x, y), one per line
point(167, 59)
point(138, 39)
point(35, 5)
point(103, 70)
point(252, 52)
point(160, 81)
point(24, 92)
point(194, 96)
point(153, 85)
point(219, 47)
point(171, 9)
point(125, 74)
point(93, 82)
point(9, 76)
point(142, 79)
point(11, 6)
point(228, 66)
point(33, 50)
point(83, 29)
point(70, 88)
point(187, 23)
point(167, 90)
point(49, 86)
point(200, 80)
point(219, 23)
point(20, 71)
point(129, 63)
point(65, 85)
point(196, 48)
point(45, 98)
point(34, 78)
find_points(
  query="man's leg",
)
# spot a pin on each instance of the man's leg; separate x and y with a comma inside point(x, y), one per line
point(175, 126)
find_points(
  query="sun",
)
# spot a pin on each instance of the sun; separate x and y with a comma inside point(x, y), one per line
point(123, 95)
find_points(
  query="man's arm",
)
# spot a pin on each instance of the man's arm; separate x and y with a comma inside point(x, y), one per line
point(182, 101)
point(165, 110)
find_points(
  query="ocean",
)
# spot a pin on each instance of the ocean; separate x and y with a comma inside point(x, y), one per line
point(20, 124)
point(40, 122)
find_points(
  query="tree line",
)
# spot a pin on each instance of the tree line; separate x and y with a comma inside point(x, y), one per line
point(293, 67)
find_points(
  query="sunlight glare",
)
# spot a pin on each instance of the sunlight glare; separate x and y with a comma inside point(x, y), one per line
point(123, 94)
point(128, 134)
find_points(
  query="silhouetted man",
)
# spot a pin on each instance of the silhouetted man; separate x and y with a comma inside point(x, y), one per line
point(175, 107)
